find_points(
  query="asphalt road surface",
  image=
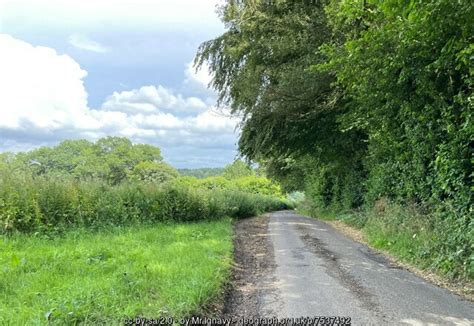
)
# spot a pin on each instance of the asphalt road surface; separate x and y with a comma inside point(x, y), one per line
point(319, 271)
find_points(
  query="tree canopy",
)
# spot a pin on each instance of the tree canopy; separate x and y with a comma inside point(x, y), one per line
point(237, 169)
point(377, 92)
point(112, 159)
point(201, 173)
point(356, 100)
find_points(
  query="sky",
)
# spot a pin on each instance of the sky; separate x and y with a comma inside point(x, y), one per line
point(89, 69)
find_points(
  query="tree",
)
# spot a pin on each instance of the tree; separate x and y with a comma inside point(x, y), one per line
point(261, 68)
point(408, 79)
point(202, 173)
point(357, 100)
point(111, 159)
point(156, 172)
point(237, 169)
point(372, 93)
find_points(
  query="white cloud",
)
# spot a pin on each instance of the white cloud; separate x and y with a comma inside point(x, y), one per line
point(213, 120)
point(43, 101)
point(149, 99)
point(197, 81)
point(201, 76)
point(83, 42)
point(39, 87)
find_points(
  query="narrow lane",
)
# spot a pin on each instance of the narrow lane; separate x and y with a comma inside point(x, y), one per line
point(319, 271)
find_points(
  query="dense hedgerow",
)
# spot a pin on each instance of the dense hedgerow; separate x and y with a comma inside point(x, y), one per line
point(48, 204)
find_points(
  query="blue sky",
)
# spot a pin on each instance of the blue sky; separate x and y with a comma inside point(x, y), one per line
point(87, 69)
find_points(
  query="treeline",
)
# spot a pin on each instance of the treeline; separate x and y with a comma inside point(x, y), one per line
point(201, 173)
point(114, 182)
point(112, 160)
point(362, 104)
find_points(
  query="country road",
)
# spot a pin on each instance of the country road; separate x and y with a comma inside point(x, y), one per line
point(304, 267)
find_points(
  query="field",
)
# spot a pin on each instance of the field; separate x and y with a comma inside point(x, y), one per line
point(95, 233)
point(104, 276)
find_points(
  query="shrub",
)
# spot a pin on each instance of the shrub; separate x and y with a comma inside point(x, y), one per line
point(258, 185)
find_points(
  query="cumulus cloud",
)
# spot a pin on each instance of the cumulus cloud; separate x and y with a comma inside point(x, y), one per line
point(198, 81)
point(43, 101)
point(83, 42)
point(150, 99)
point(40, 88)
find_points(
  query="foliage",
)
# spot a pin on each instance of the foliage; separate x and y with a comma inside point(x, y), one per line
point(258, 185)
point(56, 204)
point(202, 173)
point(157, 172)
point(212, 183)
point(237, 169)
point(249, 184)
point(101, 278)
point(409, 84)
point(91, 233)
point(357, 100)
point(112, 159)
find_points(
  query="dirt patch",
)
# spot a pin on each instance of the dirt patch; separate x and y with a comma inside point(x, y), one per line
point(464, 290)
point(253, 260)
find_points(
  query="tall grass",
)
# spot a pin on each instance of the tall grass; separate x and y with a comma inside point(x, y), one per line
point(156, 250)
point(44, 204)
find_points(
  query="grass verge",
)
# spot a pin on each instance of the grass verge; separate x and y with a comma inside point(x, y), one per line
point(103, 277)
point(412, 239)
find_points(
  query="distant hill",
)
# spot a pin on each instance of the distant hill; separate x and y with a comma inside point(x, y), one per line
point(202, 172)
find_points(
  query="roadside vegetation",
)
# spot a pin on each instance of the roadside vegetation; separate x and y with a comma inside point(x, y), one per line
point(367, 107)
point(31, 205)
point(96, 232)
point(115, 183)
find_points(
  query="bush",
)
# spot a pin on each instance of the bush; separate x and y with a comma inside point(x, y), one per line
point(181, 203)
point(258, 185)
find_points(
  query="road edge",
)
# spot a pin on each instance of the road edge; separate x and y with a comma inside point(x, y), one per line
point(253, 259)
point(465, 291)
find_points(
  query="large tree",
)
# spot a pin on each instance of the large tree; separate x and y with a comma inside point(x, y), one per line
point(112, 159)
point(262, 70)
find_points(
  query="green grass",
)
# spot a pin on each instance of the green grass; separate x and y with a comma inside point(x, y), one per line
point(84, 277)
point(410, 245)
point(423, 240)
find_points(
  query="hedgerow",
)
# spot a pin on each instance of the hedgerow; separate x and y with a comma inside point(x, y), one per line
point(30, 204)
